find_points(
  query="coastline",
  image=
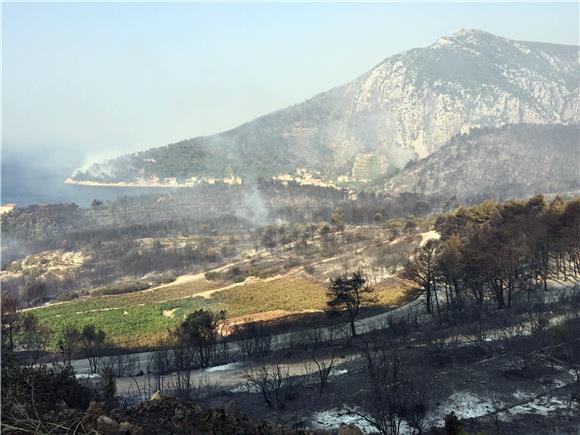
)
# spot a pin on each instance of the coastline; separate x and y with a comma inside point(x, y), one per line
point(72, 182)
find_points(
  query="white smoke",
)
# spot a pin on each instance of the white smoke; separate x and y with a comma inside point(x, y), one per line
point(253, 207)
point(98, 162)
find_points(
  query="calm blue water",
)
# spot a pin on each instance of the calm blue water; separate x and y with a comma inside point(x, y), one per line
point(27, 180)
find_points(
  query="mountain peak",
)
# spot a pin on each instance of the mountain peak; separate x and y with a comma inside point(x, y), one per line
point(468, 32)
point(407, 106)
point(466, 36)
point(470, 37)
point(463, 32)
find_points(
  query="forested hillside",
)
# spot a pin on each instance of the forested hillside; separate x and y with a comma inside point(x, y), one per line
point(407, 106)
point(498, 252)
point(512, 161)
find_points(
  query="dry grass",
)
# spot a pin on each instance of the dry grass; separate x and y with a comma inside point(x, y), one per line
point(292, 293)
point(392, 292)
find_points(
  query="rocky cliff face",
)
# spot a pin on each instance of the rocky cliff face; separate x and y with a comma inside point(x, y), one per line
point(406, 107)
point(469, 79)
point(511, 161)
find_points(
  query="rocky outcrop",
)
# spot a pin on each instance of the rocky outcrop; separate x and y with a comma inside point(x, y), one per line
point(172, 416)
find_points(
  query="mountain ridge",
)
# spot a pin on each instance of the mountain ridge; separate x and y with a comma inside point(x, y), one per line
point(406, 107)
point(522, 160)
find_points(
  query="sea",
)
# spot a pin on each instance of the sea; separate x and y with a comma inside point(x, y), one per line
point(31, 179)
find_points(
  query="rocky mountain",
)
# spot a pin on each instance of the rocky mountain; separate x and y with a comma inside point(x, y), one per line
point(510, 161)
point(406, 107)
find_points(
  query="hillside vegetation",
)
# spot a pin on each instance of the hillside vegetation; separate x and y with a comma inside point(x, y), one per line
point(407, 106)
point(283, 279)
point(486, 340)
point(514, 161)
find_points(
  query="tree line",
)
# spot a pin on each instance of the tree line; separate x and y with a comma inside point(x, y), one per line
point(496, 252)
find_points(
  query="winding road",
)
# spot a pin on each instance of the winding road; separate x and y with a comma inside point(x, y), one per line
point(232, 375)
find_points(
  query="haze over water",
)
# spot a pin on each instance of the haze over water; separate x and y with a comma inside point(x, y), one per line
point(30, 180)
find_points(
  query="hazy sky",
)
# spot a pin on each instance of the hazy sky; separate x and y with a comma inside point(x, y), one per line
point(116, 77)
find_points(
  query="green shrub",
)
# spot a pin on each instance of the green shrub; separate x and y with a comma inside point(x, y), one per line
point(122, 287)
point(67, 296)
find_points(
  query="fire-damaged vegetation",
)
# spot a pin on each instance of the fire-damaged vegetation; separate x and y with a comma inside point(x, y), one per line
point(498, 252)
point(483, 369)
point(62, 404)
point(136, 242)
point(279, 270)
point(196, 211)
point(464, 324)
